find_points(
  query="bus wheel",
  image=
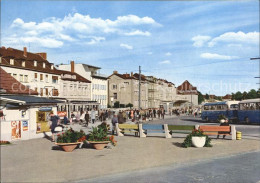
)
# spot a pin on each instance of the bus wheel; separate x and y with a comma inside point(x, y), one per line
point(247, 120)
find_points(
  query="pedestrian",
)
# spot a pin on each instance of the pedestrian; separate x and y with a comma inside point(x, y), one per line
point(93, 116)
point(114, 121)
point(225, 123)
point(163, 113)
point(120, 118)
point(72, 118)
point(87, 118)
point(54, 123)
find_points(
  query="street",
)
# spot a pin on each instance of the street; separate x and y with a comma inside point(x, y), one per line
point(243, 168)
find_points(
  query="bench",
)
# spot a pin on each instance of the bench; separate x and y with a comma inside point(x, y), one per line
point(217, 130)
point(186, 129)
point(129, 128)
point(156, 128)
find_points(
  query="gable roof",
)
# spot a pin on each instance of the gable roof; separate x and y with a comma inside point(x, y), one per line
point(9, 85)
point(19, 57)
point(187, 88)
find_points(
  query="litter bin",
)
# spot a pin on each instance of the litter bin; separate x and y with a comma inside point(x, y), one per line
point(239, 135)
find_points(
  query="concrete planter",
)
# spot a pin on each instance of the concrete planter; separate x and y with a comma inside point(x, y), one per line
point(99, 145)
point(68, 147)
point(198, 141)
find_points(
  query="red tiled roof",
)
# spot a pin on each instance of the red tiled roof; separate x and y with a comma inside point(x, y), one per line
point(9, 85)
point(186, 88)
point(123, 76)
point(18, 56)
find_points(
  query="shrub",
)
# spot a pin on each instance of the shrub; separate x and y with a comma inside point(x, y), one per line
point(196, 133)
point(71, 136)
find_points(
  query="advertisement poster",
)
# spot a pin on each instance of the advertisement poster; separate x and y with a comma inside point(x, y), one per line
point(16, 129)
point(25, 125)
point(61, 114)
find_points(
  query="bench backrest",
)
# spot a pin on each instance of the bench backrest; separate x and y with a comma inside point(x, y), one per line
point(153, 127)
point(181, 127)
point(215, 128)
point(128, 126)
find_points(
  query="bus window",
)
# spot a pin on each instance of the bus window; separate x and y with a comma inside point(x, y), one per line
point(213, 107)
point(206, 108)
point(219, 107)
point(258, 106)
point(252, 106)
point(234, 106)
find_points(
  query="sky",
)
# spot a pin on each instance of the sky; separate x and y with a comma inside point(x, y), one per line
point(208, 43)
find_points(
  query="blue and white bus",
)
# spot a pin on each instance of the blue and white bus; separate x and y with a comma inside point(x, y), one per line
point(211, 111)
point(249, 111)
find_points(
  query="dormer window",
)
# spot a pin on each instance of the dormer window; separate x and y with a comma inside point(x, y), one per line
point(43, 65)
point(0, 59)
point(12, 61)
point(35, 63)
point(23, 64)
point(52, 66)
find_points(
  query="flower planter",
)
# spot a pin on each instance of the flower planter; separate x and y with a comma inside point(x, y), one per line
point(68, 147)
point(198, 141)
point(99, 145)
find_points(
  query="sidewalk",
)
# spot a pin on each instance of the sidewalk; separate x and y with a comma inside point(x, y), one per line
point(39, 160)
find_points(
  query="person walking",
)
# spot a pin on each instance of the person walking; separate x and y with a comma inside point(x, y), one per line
point(114, 121)
point(87, 118)
point(54, 123)
point(93, 116)
point(120, 118)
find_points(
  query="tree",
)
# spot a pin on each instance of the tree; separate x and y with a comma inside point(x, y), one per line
point(122, 105)
point(108, 106)
point(117, 104)
point(129, 105)
point(200, 98)
point(207, 96)
point(252, 94)
point(245, 95)
point(238, 96)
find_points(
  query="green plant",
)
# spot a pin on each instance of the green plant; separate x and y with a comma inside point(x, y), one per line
point(196, 133)
point(71, 136)
point(100, 133)
point(129, 105)
point(221, 116)
point(117, 104)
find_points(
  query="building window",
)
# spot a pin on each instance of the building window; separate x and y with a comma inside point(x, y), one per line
point(25, 78)
point(36, 89)
point(114, 87)
point(41, 91)
point(52, 67)
point(12, 61)
point(115, 95)
point(35, 63)
point(23, 64)
point(55, 92)
point(43, 65)
point(46, 78)
point(15, 76)
point(55, 79)
point(21, 78)
point(46, 92)
point(41, 77)
point(35, 76)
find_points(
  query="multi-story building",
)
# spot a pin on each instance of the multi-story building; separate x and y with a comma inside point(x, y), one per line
point(36, 72)
point(125, 89)
point(99, 84)
point(187, 94)
point(153, 92)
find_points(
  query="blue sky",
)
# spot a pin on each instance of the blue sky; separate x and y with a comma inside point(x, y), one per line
point(209, 43)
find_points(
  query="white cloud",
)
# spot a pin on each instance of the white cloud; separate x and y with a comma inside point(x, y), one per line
point(165, 62)
point(78, 26)
point(236, 37)
point(168, 54)
point(199, 40)
point(138, 33)
point(126, 46)
point(217, 56)
point(150, 53)
point(95, 40)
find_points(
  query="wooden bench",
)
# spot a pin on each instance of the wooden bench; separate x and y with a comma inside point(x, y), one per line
point(156, 128)
point(129, 128)
point(219, 130)
point(186, 129)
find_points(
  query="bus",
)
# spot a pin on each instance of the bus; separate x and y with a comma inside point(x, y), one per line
point(211, 111)
point(249, 111)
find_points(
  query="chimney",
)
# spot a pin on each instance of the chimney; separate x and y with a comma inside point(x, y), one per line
point(43, 55)
point(25, 51)
point(72, 66)
point(115, 72)
point(132, 74)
